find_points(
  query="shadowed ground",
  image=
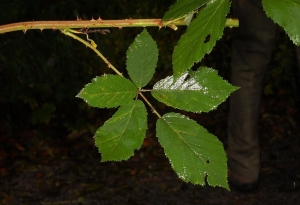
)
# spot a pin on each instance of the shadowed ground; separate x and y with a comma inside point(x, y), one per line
point(68, 171)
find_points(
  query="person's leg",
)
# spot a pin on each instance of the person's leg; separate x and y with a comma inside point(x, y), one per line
point(252, 48)
point(297, 48)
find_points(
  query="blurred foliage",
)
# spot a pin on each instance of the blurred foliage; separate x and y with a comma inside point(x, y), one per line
point(281, 99)
point(282, 76)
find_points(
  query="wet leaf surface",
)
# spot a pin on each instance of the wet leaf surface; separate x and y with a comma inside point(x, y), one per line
point(202, 91)
point(196, 155)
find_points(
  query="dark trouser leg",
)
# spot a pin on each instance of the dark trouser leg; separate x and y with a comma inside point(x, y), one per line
point(251, 52)
point(297, 48)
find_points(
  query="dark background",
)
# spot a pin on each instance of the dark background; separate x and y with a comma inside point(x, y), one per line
point(46, 145)
point(41, 72)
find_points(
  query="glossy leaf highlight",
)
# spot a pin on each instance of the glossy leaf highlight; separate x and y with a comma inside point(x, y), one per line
point(197, 91)
point(201, 36)
point(286, 13)
point(196, 155)
point(123, 133)
point(142, 57)
point(108, 91)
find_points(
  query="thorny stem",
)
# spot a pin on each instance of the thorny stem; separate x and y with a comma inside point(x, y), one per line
point(68, 32)
point(150, 105)
point(65, 27)
point(99, 23)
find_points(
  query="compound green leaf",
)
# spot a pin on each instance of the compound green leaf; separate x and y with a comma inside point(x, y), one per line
point(182, 7)
point(202, 91)
point(108, 91)
point(196, 155)
point(123, 133)
point(142, 57)
point(286, 13)
point(201, 36)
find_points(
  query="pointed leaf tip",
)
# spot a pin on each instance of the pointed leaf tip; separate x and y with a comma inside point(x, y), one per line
point(286, 14)
point(142, 57)
point(108, 91)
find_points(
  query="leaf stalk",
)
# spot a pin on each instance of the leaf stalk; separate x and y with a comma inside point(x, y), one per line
point(150, 105)
point(69, 32)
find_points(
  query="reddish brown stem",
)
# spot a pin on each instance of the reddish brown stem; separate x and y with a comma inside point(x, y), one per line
point(99, 23)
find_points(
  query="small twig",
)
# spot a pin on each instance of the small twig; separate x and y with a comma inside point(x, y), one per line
point(146, 90)
point(92, 46)
point(102, 31)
